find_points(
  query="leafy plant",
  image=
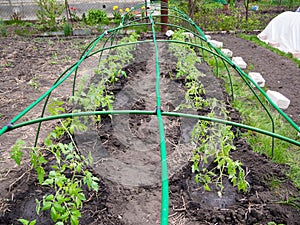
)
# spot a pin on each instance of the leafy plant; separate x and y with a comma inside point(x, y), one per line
point(16, 152)
point(66, 178)
point(214, 146)
point(69, 170)
point(213, 143)
point(48, 13)
point(97, 16)
point(26, 222)
point(68, 174)
point(110, 71)
point(253, 115)
point(273, 223)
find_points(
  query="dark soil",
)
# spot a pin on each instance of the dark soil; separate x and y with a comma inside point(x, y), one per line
point(126, 152)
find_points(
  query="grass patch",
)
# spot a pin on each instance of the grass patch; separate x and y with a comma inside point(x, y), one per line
point(253, 114)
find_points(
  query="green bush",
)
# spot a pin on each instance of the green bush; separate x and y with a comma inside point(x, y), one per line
point(48, 13)
point(97, 16)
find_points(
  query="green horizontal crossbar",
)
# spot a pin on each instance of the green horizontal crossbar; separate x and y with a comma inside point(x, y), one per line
point(144, 112)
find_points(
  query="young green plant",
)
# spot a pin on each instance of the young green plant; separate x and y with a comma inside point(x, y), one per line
point(212, 161)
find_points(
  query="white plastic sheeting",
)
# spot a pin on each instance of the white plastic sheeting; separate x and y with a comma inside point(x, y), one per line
point(284, 31)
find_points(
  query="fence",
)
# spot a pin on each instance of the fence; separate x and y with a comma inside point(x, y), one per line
point(26, 9)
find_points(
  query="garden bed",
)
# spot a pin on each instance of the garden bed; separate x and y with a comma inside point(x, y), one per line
point(126, 152)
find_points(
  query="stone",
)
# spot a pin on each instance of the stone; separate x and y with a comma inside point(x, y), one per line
point(263, 37)
point(257, 78)
point(217, 44)
point(273, 44)
point(80, 32)
point(239, 62)
point(226, 52)
point(296, 54)
point(188, 34)
point(208, 37)
point(169, 33)
point(279, 99)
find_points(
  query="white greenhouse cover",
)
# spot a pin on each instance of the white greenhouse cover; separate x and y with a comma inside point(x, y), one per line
point(284, 30)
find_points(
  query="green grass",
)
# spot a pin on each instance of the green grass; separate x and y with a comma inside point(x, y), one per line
point(276, 3)
point(284, 152)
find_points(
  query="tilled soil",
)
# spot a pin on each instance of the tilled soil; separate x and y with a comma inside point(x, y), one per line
point(127, 154)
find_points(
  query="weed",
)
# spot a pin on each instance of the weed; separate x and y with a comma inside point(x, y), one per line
point(67, 29)
point(23, 31)
point(34, 83)
point(100, 28)
point(7, 64)
point(274, 182)
point(250, 67)
point(117, 14)
point(292, 201)
point(55, 58)
point(3, 31)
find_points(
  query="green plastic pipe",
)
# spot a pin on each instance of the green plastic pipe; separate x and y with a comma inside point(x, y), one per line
point(144, 112)
point(164, 216)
